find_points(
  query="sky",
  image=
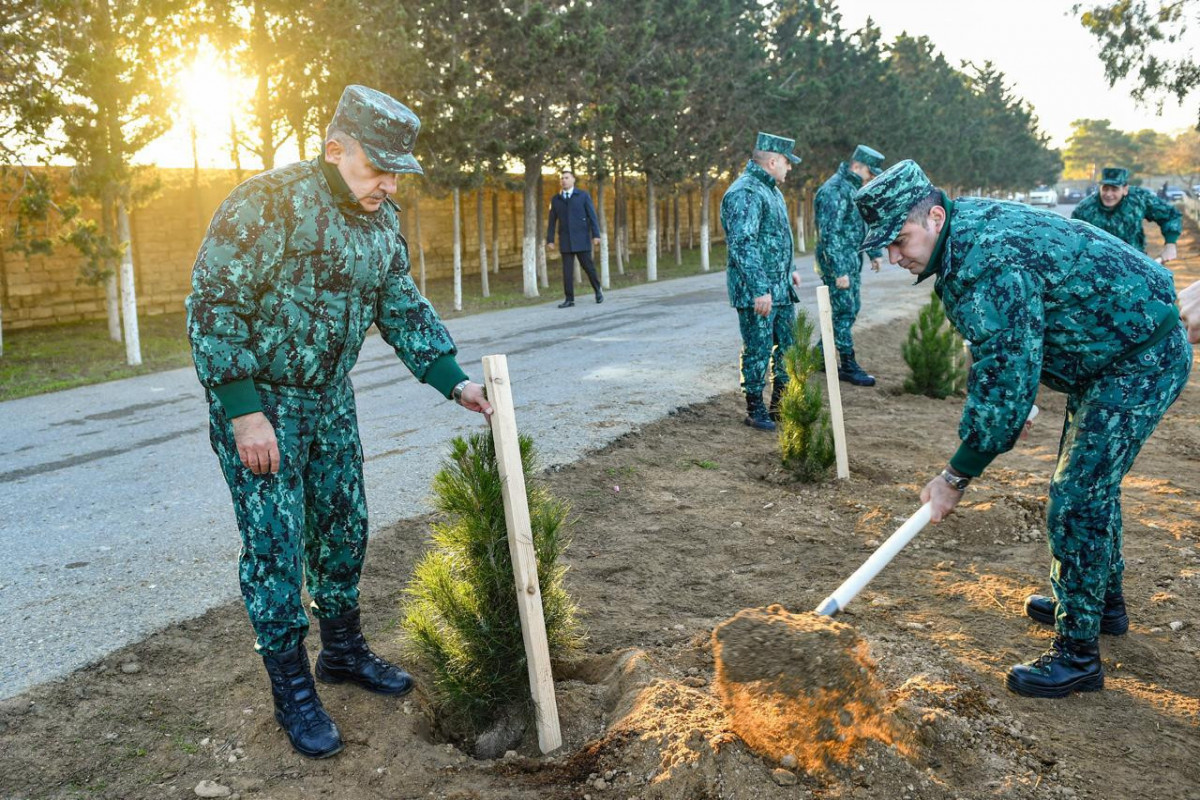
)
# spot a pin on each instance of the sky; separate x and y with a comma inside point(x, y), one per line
point(1046, 54)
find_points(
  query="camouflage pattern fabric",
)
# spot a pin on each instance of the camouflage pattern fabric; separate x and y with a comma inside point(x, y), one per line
point(292, 273)
point(758, 239)
point(306, 524)
point(1106, 424)
point(385, 128)
point(764, 341)
point(759, 245)
point(1124, 220)
point(1042, 298)
point(840, 232)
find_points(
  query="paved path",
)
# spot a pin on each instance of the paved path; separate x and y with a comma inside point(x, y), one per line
point(114, 520)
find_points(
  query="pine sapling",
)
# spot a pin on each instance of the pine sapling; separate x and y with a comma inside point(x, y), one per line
point(933, 354)
point(805, 433)
point(462, 618)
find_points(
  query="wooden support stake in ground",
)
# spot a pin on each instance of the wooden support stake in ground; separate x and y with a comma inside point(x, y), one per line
point(825, 312)
point(520, 548)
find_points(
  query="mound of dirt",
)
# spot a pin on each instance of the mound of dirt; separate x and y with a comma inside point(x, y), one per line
point(799, 688)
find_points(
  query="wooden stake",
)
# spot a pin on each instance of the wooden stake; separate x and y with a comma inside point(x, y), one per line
point(520, 548)
point(825, 311)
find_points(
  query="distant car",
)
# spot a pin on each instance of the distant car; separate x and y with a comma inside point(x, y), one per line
point(1070, 197)
point(1043, 196)
point(1176, 194)
point(1196, 190)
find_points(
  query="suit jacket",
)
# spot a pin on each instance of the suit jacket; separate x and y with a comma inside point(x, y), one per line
point(576, 220)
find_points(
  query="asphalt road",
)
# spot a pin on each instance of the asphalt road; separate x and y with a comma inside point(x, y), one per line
point(115, 522)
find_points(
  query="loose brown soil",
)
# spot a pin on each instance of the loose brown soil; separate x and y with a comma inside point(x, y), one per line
point(678, 528)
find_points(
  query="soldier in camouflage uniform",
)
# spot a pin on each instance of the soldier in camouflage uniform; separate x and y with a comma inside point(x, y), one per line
point(1120, 208)
point(1047, 299)
point(840, 231)
point(758, 272)
point(297, 264)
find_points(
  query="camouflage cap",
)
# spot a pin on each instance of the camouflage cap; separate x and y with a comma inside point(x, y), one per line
point(1114, 176)
point(884, 203)
point(777, 144)
point(385, 127)
point(869, 157)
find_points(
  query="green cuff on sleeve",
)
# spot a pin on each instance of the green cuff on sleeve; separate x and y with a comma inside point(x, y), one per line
point(238, 398)
point(444, 374)
point(971, 462)
point(1170, 238)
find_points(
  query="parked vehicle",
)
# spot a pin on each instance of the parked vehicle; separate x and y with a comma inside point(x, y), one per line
point(1043, 196)
point(1176, 194)
point(1070, 196)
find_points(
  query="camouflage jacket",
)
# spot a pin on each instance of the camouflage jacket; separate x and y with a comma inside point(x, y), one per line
point(758, 239)
point(1124, 220)
point(1040, 298)
point(291, 274)
point(840, 228)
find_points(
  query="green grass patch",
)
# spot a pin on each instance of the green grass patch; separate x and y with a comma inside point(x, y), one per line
point(40, 360)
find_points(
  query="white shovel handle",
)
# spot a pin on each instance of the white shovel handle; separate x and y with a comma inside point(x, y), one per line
point(850, 587)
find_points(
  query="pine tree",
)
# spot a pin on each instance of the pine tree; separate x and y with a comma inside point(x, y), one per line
point(932, 353)
point(805, 434)
point(462, 618)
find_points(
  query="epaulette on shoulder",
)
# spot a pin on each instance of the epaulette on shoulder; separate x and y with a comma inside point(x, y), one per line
point(277, 178)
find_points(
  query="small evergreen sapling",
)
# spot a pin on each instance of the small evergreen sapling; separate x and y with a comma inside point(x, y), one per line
point(933, 353)
point(462, 618)
point(805, 434)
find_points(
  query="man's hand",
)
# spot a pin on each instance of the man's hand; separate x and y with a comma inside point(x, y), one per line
point(875, 264)
point(843, 282)
point(796, 280)
point(943, 497)
point(1169, 253)
point(762, 305)
point(1189, 309)
point(474, 399)
point(256, 443)
point(596, 241)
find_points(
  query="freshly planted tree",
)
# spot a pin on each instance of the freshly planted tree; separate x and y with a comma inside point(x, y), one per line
point(805, 434)
point(462, 618)
point(933, 353)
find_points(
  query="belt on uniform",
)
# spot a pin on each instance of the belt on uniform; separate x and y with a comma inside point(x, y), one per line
point(1168, 324)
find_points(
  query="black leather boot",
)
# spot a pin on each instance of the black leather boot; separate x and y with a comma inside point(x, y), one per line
point(298, 710)
point(776, 395)
point(756, 414)
point(1070, 665)
point(1114, 621)
point(851, 372)
point(345, 656)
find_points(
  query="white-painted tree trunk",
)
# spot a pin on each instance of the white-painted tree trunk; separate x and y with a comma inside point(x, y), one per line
point(112, 306)
point(602, 218)
point(496, 231)
point(529, 246)
point(543, 274)
point(420, 241)
point(651, 232)
point(457, 249)
point(705, 234)
point(483, 261)
point(133, 343)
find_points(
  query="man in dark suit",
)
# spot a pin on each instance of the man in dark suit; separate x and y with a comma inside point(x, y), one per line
point(575, 216)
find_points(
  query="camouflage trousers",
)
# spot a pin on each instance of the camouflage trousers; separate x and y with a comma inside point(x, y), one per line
point(764, 341)
point(1106, 425)
point(845, 304)
point(306, 524)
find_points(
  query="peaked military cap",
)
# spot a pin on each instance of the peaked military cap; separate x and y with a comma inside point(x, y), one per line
point(777, 144)
point(385, 127)
point(869, 157)
point(1114, 176)
point(884, 203)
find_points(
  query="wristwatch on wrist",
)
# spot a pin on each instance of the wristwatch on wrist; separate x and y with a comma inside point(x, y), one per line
point(457, 391)
point(958, 483)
